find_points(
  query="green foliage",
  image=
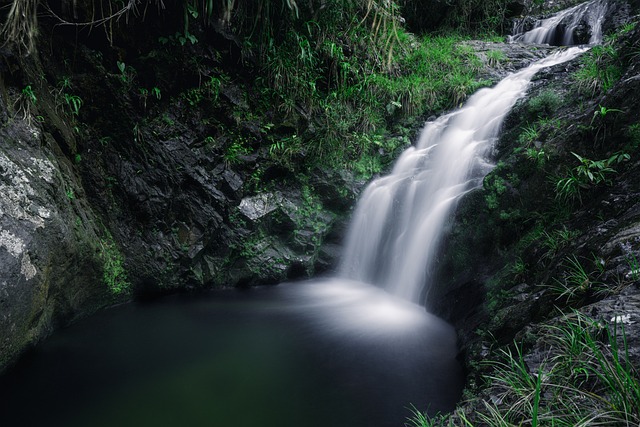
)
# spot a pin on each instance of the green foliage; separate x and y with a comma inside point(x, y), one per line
point(420, 419)
point(633, 133)
point(634, 266)
point(114, 274)
point(587, 174)
point(213, 87)
point(602, 112)
point(576, 282)
point(179, 39)
point(127, 73)
point(26, 101)
point(349, 83)
point(545, 104)
point(337, 70)
point(285, 150)
point(29, 95)
point(495, 57)
point(478, 16)
point(529, 135)
point(193, 96)
point(234, 152)
point(584, 378)
point(518, 267)
point(601, 69)
point(556, 240)
point(73, 103)
point(538, 155)
point(595, 171)
point(495, 186)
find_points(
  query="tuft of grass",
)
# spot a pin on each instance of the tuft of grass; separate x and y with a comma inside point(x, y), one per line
point(529, 135)
point(495, 57)
point(583, 378)
point(545, 104)
point(601, 69)
point(576, 283)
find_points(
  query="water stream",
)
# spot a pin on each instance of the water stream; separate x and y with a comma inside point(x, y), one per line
point(351, 351)
point(400, 218)
point(559, 29)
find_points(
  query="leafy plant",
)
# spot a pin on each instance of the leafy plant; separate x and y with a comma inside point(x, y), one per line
point(73, 102)
point(556, 240)
point(29, 95)
point(127, 73)
point(539, 156)
point(529, 135)
point(587, 173)
point(544, 104)
point(601, 68)
point(234, 151)
point(421, 419)
point(114, 273)
point(586, 379)
point(634, 266)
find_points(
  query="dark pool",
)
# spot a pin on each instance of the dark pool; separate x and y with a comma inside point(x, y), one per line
point(317, 354)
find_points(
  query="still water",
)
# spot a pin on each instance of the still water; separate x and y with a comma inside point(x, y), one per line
point(317, 354)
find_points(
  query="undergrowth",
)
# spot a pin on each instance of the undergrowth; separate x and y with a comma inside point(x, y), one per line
point(583, 377)
point(353, 99)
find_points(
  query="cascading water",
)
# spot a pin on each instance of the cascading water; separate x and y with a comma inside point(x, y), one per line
point(399, 220)
point(560, 29)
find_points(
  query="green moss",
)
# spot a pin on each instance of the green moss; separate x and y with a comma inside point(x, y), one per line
point(114, 274)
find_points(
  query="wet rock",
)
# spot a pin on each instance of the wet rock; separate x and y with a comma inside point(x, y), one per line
point(256, 207)
point(511, 57)
point(49, 268)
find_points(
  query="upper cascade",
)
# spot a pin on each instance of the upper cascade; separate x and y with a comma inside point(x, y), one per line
point(394, 237)
point(564, 28)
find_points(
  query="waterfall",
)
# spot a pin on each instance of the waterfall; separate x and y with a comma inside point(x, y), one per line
point(399, 219)
point(560, 28)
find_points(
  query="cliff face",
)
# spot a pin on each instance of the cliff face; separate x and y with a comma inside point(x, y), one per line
point(50, 264)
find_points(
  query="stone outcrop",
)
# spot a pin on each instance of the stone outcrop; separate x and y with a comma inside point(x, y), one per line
point(49, 246)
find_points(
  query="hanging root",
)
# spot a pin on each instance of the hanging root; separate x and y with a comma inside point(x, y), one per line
point(21, 28)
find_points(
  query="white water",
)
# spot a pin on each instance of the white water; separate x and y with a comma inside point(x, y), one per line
point(400, 218)
point(559, 28)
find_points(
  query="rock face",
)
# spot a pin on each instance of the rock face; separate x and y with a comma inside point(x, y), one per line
point(49, 251)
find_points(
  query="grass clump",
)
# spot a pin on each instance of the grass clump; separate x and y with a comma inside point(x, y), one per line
point(600, 69)
point(583, 376)
point(545, 104)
